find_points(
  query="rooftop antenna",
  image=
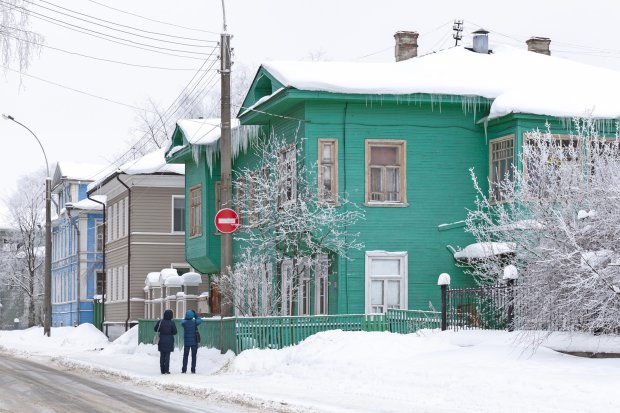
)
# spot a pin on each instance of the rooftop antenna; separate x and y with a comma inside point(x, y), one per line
point(458, 31)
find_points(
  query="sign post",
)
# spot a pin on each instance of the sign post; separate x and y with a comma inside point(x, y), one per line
point(226, 221)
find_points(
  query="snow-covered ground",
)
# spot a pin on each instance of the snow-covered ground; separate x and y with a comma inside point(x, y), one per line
point(335, 371)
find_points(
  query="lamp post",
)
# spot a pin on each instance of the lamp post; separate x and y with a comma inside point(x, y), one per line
point(48, 235)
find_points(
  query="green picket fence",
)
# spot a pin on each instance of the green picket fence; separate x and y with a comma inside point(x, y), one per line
point(410, 321)
point(242, 333)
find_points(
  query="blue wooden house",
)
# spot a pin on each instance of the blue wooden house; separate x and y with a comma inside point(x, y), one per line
point(77, 245)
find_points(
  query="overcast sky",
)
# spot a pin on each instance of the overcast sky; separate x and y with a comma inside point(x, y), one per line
point(77, 127)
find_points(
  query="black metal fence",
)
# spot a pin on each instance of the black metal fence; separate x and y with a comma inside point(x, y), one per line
point(487, 308)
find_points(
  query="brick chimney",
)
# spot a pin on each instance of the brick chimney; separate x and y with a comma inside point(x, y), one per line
point(539, 45)
point(406, 45)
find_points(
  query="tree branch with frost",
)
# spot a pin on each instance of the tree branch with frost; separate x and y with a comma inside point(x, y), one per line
point(567, 192)
point(284, 217)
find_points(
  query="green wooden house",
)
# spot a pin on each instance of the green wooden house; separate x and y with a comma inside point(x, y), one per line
point(399, 139)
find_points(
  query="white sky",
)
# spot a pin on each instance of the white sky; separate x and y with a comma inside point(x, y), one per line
point(79, 128)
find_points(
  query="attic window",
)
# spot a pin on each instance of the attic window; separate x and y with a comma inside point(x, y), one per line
point(263, 88)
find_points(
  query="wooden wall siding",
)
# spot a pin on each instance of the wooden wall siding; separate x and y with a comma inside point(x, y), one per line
point(203, 251)
point(441, 147)
point(151, 209)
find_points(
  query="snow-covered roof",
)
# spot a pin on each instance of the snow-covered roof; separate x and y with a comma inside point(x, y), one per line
point(203, 131)
point(204, 134)
point(485, 250)
point(519, 81)
point(90, 205)
point(81, 171)
point(151, 163)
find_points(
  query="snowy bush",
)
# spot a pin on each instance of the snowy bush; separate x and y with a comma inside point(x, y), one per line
point(284, 219)
point(561, 212)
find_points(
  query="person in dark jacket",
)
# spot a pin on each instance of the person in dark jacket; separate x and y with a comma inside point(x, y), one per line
point(167, 330)
point(190, 324)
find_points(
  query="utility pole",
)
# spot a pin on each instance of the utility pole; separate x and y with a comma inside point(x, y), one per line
point(457, 27)
point(225, 159)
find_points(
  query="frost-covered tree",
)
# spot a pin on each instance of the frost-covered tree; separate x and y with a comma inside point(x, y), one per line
point(558, 216)
point(289, 230)
point(23, 262)
point(17, 43)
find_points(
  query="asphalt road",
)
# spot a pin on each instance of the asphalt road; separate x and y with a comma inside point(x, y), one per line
point(30, 387)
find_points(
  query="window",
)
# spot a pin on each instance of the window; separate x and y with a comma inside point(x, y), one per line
point(286, 285)
point(195, 211)
point(218, 196)
point(320, 285)
point(266, 296)
point(303, 295)
point(328, 170)
point(563, 154)
point(99, 281)
point(253, 197)
point(501, 162)
point(385, 172)
point(99, 236)
point(287, 176)
point(178, 213)
point(240, 204)
point(386, 281)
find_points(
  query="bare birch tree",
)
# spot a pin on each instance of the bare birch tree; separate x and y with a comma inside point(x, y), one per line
point(17, 43)
point(560, 215)
point(23, 266)
point(285, 219)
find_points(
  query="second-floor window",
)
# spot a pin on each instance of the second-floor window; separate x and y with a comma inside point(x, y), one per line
point(501, 161)
point(287, 176)
point(99, 237)
point(385, 172)
point(195, 211)
point(328, 170)
point(178, 214)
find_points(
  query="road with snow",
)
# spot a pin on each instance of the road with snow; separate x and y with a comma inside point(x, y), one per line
point(30, 387)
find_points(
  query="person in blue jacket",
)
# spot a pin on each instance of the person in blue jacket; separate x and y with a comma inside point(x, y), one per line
point(167, 330)
point(190, 325)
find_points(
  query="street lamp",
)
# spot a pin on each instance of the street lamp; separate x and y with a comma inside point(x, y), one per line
point(48, 234)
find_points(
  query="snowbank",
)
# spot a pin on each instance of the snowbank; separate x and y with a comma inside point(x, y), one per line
point(335, 371)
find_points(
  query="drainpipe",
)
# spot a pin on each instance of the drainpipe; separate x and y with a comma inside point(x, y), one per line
point(105, 227)
point(118, 178)
point(69, 207)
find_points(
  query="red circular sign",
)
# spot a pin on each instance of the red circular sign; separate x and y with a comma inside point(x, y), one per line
point(226, 220)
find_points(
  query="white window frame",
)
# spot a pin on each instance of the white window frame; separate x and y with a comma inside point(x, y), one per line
point(402, 181)
point(321, 285)
point(332, 197)
point(172, 230)
point(287, 176)
point(494, 178)
point(286, 287)
point(402, 256)
point(304, 290)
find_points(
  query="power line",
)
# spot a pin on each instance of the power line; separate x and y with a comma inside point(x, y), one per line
point(94, 57)
point(60, 23)
point(125, 44)
point(117, 24)
point(151, 20)
point(70, 88)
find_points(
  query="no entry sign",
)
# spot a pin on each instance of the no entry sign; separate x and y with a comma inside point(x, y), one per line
point(226, 220)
